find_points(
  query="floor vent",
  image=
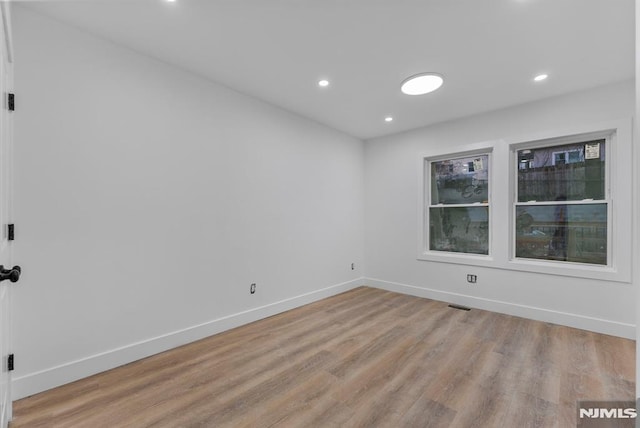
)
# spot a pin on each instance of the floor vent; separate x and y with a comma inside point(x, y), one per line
point(462, 308)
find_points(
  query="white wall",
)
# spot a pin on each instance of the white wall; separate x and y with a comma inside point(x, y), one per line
point(392, 186)
point(148, 199)
point(636, 159)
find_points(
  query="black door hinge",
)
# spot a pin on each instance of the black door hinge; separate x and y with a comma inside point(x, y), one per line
point(11, 235)
point(10, 362)
point(11, 102)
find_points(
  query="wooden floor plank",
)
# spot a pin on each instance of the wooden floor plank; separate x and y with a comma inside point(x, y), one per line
point(364, 358)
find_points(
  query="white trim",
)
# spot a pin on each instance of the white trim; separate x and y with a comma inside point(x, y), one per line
point(503, 188)
point(424, 189)
point(609, 136)
point(619, 244)
point(597, 325)
point(6, 413)
point(552, 203)
point(43, 380)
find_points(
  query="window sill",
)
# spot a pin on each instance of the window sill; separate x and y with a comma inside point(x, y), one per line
point(575, 270)
point(457, 258)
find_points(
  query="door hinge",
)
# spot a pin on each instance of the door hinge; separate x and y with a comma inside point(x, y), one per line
point(11, 235)
point(11, 101)
point(10, 362)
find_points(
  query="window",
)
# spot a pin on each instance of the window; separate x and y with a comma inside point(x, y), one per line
point(562, 203)
point(458, 204)
point(568, 156)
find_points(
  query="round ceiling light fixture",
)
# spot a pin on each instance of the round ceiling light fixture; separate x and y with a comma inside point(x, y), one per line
point(323, 83)
point(540, 77)
point(422, 83)
point(388, 119)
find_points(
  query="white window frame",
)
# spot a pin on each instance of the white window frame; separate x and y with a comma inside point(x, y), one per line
point(607, 136)
point(618, 169)
point(503, 184)
point(424, 252)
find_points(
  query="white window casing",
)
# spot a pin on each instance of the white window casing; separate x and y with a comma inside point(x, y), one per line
point(502, 203)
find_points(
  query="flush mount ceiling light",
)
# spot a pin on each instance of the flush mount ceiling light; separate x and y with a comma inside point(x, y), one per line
point(422, 83)
point(388, 119)
point(540, 77)
point(323, 83)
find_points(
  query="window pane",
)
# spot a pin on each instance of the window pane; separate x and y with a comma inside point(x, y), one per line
point(459, 229)
point(460, 181)
point(572, 233)
point(571, 172)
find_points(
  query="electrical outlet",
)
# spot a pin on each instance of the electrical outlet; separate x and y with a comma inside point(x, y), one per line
point(472, 278)
point(353, 266)
point(252, 289)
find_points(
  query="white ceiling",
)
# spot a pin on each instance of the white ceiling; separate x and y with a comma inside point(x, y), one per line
point(276, 50)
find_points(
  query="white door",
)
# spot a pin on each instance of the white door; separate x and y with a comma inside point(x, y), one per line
point(6, 175)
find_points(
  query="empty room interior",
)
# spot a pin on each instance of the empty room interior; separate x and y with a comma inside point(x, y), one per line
point(259, 213)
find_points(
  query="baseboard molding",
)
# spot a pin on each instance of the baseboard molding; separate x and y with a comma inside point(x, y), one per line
point(32, 383)
point(582, 322)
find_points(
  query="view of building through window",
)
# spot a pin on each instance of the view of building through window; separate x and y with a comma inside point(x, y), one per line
point(562, 208)
point(459, 205)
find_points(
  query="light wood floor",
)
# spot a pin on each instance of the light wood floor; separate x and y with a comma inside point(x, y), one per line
point(365, 358)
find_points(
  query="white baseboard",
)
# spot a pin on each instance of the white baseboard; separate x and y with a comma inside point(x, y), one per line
point(597, 325)
point(33, 383)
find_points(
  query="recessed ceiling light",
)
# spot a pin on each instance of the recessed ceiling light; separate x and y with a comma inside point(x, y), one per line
point(171, 1)
point(323, 83)
point(540, 77)
point(422, 83)
point(388, 119)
